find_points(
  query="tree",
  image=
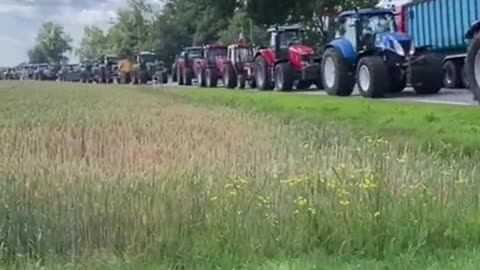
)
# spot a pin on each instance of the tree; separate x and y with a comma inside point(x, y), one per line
point(51, 44)
point(93, 44)
point(36, 55)
point(240, 23)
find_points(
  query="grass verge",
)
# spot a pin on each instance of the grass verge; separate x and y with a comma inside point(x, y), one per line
point(99, 177)
point(425, 124)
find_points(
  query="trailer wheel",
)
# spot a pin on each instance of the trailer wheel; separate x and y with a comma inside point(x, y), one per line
point(425, 78)
point(372, 77)
point(452, 75)
point(262, 75)
point(211, 76)
point(229, 77)
point(337, 77)
point(473, 66)
point(284, 77)
point(201, 77)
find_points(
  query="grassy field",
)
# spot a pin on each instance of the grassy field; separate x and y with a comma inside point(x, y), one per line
point(440, 126)
point(110, 177)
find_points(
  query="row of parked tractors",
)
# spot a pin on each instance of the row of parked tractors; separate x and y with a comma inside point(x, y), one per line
point(367, 51)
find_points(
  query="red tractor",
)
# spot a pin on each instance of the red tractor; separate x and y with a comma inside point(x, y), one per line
point(287, 63)
point(185, 63)
point(239, 68)
point(210, 68)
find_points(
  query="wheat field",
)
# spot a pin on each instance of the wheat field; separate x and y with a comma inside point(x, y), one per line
point(131, 174)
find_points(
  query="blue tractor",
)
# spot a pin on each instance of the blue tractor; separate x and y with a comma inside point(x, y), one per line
point(368, 51)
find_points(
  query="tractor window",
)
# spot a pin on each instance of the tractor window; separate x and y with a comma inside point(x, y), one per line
point(213, 54)
point(195, 54)
point(289, 37)
point(380, 23)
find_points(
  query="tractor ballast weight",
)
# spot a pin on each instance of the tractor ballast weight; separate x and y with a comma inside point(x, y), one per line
point(211, 67)
point(286, 63)
point(368, 51)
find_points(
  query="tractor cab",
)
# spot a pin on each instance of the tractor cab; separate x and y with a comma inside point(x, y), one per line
point(372, 29)
point(283, 37)
point(240, 53)
point(190, 53)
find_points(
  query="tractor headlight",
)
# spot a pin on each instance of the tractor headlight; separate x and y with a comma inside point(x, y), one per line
point(412, 48)
point(398, 48)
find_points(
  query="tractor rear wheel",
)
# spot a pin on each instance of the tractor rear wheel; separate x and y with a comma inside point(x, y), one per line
point(425, 77)
point(337, 75)
point(284, 77)
point(229, 77)
point(263, 78)
point(452, 73)
point(473, 66)
point(201, 77)
point(211, 76)
point(372, 76)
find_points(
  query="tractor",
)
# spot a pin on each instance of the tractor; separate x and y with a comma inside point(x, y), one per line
point(368, 51)
point(184, 65)
point(239, 69)
point(210, 68)
point(145, 67)
point(286, 63)
point(105, 72)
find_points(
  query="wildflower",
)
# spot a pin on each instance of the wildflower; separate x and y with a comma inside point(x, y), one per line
point(213, 198)
point(312, 210)
point(376, 214)
point(344, 203)
point(301, 201)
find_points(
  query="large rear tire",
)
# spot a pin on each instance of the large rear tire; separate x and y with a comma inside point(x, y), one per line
point(372, 77)
point(263, 78)
point(452, 74)
point(473, 66)
point(337, 75)
point(425, 77)
point(284, 77)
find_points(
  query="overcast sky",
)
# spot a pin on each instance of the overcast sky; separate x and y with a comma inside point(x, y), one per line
point(20, 21)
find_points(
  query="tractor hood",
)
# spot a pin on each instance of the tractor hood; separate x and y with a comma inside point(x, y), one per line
point(301, 49)
point(397, 42)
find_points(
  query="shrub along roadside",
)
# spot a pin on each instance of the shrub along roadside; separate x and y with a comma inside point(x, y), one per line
point(446, 127)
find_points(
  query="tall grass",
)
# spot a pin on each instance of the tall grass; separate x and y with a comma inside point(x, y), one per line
point(133, 175)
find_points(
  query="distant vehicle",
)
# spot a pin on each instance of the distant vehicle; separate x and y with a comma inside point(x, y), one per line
point(183, 67)
point(145, 67)
point(44, 72)
point(238, 70)
point(106, 71)
point(70, 73)
point(210, 68)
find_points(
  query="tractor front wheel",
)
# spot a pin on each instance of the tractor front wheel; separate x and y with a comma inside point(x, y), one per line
point(372, 76)
point(452, 73)
point(337, 75)
point(284, 77)
point(262, 74)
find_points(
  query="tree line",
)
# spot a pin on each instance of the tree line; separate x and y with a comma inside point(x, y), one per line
point(141, 27)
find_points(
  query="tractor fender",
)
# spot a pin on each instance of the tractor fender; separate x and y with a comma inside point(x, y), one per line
point(268, 55)
point(345, 47)
point(473, 30)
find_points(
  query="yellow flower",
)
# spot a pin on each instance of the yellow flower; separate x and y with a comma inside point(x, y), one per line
point(376, 214)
